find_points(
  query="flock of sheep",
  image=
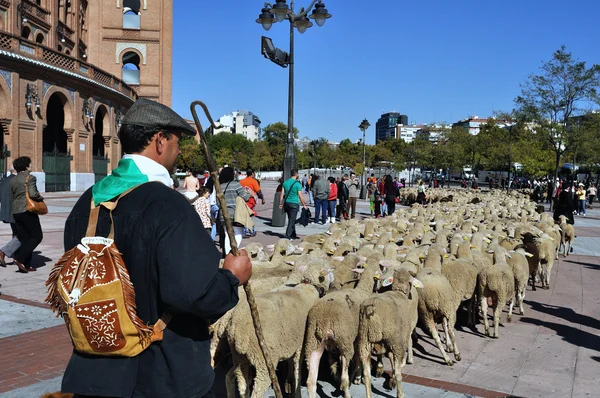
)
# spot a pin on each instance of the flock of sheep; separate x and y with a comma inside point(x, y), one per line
point(360, 289)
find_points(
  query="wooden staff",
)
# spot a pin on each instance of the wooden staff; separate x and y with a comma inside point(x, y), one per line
point(214, 174)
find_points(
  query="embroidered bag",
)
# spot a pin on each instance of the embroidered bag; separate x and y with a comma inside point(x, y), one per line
point(90, 287)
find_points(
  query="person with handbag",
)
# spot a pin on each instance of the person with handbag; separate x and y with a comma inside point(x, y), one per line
point(291, 197)
point(27, 204)
point(6, 217)
point(231, 190)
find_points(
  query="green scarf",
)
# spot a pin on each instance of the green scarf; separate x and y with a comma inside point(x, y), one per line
point(126, 175)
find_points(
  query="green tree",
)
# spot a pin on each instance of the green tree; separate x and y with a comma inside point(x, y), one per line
point(275, 135)
point(552, 98)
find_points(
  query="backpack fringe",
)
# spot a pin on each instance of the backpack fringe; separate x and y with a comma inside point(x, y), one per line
point(144, 331)
point(53, 298)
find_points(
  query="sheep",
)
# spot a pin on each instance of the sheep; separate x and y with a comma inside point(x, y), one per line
point(333, 325)
point(256, 251)
point(219, 328)
point(545, 252)
point(462, 276)
point(283, 336)
point(399, 304)
point(437, 300)
point(520, 266)
point(496, 284)
point(567, 235)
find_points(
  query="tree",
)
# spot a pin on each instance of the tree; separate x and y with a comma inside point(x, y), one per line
point(275, 135)
point(552, 98)
point(191, 157)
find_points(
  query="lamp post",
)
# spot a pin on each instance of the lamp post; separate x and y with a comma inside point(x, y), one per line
point(363, 126)
point(279, 12)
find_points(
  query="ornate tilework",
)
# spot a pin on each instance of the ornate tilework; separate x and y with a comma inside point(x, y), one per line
point(45, 87)
point(7, 78)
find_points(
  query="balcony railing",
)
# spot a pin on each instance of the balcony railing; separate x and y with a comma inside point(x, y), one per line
point(39, 52)
point(36, 13)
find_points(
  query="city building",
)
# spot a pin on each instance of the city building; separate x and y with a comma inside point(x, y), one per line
point(385, 127)
point(432, 132)
point(69, 70)
point(241, 122)
point(407, 133)
point(404, 120)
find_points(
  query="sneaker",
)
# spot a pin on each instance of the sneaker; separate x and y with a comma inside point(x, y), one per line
point(584, 214)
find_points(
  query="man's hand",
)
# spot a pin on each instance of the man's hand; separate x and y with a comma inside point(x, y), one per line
point(263, 201)
point(240, 266)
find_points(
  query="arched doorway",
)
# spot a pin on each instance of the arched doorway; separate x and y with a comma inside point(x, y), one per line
point(56, 161)
point(100, 158)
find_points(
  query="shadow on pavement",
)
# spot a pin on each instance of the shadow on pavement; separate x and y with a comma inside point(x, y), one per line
point(38, 260)
point(566, 313)
point(587, 265)
point(570, 334)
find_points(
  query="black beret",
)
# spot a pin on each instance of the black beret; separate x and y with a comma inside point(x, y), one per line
point(147, 113)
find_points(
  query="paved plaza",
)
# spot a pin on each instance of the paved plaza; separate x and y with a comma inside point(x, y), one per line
point(551, 351)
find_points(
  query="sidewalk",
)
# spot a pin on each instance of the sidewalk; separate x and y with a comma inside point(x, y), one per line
point(552, 351)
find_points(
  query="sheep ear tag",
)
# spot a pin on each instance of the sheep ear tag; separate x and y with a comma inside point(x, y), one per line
point(387, 281)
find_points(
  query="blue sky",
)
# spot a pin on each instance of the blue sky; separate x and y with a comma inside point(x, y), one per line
point(431, 60)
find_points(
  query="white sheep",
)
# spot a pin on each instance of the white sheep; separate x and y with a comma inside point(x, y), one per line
point(375, 327)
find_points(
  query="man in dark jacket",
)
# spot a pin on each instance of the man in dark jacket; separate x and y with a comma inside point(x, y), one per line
point(6, 217)
point(158, 234)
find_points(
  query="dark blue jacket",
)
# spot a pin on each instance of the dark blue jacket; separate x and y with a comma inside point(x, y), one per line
point(174, 267)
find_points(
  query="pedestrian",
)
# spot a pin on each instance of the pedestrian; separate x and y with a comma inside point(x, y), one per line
point(421, 196)
point(580, 194)
point(6, 217)
point(377, 205)
point(191, 185)
point(389, 193)
point(332, 199)
point(172, 264)
point(214, 208)
point(231, 190)
point(289, 201)
point(320, 191)
point(251, 184)
point(305, 184)
point(343, 198)
point(202, 206)
point(591, 195)
point(309, 189)
point(564, 206)
point(29, 230)
point(371, 195)
point(353, 193)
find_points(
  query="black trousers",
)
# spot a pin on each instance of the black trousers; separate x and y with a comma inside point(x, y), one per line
point(29, 233)
point(292, 213)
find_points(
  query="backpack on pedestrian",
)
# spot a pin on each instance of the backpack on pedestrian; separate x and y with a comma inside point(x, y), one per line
point(91, 289)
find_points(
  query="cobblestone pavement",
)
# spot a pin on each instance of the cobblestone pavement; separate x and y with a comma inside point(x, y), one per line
point(551, 351)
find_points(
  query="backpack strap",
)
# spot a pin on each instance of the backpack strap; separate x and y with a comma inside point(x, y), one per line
point(95, 212)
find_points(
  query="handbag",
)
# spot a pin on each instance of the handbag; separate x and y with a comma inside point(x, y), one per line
point(33, 206)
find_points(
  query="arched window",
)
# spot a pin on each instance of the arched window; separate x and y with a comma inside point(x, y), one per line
point(39, 38)
point(60, 48)
point(26, 32)
point(68, 52)
point(131, 14)
point(131, 68)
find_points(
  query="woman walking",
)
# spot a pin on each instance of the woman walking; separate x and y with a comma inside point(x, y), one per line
point(421, 197)
point(332, 199)
point(29, 230)
point(231, 190)
point(191, 186)
point(389, 192)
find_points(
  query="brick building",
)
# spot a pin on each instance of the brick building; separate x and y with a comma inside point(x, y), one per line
point(69, 70)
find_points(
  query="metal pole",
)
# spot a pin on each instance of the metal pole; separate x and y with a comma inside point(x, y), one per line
point(363, 189)
point(290, 150)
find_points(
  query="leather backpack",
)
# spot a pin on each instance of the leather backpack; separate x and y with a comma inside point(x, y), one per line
point(90, 288)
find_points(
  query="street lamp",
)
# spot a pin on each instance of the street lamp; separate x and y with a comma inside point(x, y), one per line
point(279, 12)
point(363, 126)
